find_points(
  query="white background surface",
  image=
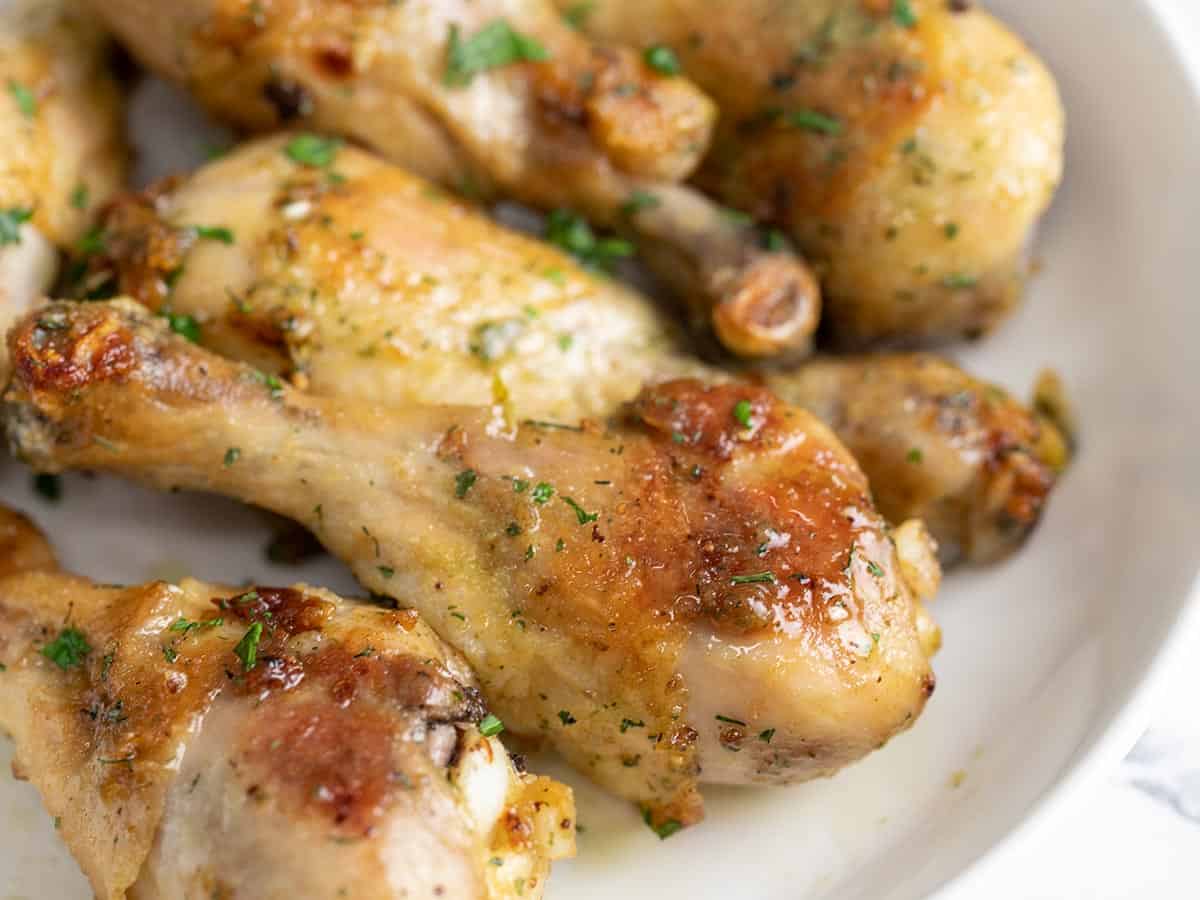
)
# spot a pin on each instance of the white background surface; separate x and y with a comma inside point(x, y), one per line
point(1135, 832)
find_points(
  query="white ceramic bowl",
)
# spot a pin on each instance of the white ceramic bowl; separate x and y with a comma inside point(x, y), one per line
point(1045, 657)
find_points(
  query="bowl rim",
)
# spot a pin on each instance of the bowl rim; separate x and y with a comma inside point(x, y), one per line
point(1112, 742)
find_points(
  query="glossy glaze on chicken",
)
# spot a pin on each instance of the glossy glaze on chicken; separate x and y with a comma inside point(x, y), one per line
point(701, 590)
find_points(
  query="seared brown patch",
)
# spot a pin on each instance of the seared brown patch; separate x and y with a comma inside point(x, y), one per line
point(136, 254)
point(332, 760)
point(57, 352)
point(712, 421)
point(284, 610)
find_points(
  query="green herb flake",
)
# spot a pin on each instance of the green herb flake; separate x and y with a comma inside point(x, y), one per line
point(232, 455)
point(542, 493)
point(760, 578)
point(743, 412)
point(247, 648)
point(386, 571)
point(662, 59)
point(730, 721)
point(218, 233)
point(186, 626)
point(11, 221)
point(312, 150)
point(950, 229)
point(24, 97)
point(512, 529)
point(464, 481)
point(766, 735)
point(664, 829)
point(169, 654)
point(496, 44)
point(573, 234)
point(183, 325)
point(491, 340)
point(48, 487)
point(566, 718)
point(490, 726)
point(560, 545)
point(639, 200)
point(811, 120)
point(776, 241)
point(576, 15)
point(959, 281)
point(915, 455)
point(80, 197)
point(581, 514)
point(67, 650)
point(903, 14)
point(874, 568)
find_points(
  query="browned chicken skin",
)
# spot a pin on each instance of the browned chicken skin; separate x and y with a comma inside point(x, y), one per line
point(62, 155)
point(938, 445)
point(195, 741)
point(379, 288)
point(704, 576)
point(537, 114)
point(909, 149)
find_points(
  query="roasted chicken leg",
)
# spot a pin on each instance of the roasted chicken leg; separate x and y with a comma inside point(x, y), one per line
point(909, 148)
point(500, 97)
point(61, 151)
point(378, 288)
point(260, 743)
point(705, 576)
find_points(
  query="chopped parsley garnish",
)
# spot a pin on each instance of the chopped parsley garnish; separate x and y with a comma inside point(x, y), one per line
point(638, 201)
point(581, 514)
point(730, 721)
point(950, 229)
point(494, 339)
point(663, 59)
point(68, 649)
point(743, 412)
point(213, 233)
point(496, 44)
point(183, 325)
point(312, 150)
point(577, 14)
point(776, 241)
point(766, 734)
point(232, 455)
point(569, 232)
point(811, 120)
point(170, 654)
point(915, 455)
point(186, 626)
point(80, 197)
point(665, 829)
point(247, 648)
point(26, 101)
point(560, 545)
point(520, 485)
point(957, 281)
point(874, 568)
point(542, 493)
point(272, 382)
point(512, 529)
point(11, 221)
point(48, 487)
point(566, 718)
point(464, 481)
point(386, 571)
point(490, 726)
point(553, 426)
point(760, 578)
point(626, 724)
point(902, 13)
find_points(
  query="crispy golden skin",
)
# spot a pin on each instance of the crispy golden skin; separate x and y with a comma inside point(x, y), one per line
point(379, 288)
point(589, 127)
point(939, 445)
point(62, 154)
point(704, 575)
point(343, 756)
point(909, 151)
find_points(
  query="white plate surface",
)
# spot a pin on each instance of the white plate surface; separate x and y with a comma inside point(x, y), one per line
point(1044, 656)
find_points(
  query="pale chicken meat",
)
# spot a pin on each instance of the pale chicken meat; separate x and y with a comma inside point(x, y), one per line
point(908, 148)
point(699, 591)
point(196, 740)
point(957, 452)
point(495, 98)
point(377, 287)
point(61, 151)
